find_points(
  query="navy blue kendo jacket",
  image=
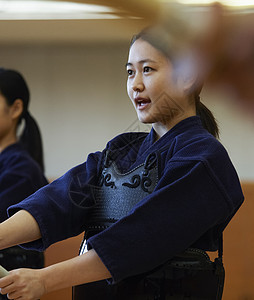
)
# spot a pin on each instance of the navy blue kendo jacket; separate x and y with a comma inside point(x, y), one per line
point(197, 194)
point(20, 176)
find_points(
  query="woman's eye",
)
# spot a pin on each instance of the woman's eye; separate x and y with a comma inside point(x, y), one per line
point(147, 69)
point(130, 72)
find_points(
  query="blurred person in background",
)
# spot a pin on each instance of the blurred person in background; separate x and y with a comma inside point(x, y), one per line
point(21, 160)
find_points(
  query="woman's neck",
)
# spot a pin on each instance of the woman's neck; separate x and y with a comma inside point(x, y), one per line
point(162, 128)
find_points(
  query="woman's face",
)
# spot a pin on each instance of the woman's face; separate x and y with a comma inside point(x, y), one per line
point(154, 89)
point(6, 121)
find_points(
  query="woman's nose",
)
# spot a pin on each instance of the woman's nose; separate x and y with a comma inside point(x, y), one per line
point(138, 84)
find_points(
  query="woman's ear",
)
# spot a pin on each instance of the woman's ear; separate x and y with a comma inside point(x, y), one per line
point(189, 83)
point(17, 109)
point(187, 74)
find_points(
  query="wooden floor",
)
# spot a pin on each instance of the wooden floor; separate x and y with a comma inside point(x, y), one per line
point(238, 253)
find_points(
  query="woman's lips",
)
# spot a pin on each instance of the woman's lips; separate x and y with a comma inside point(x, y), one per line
point(142, 103)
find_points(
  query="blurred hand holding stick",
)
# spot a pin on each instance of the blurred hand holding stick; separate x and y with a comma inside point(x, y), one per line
point(227, 49)
point(223, 40)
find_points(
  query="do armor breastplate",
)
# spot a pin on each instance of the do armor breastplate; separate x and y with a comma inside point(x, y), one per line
point(117, 194)
point(190, 274)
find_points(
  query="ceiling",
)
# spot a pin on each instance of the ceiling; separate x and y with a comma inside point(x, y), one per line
point(130, 17)
point(124, 23)
point(68, 31)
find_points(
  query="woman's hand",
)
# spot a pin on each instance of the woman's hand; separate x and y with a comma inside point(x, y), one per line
point(30, 284)
point(23, 284)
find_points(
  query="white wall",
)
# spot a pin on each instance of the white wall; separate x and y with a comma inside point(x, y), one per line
point(77, 96)
point(236, 125)
point(79, 99)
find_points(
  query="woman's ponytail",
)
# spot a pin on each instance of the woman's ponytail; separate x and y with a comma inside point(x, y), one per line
point(31, 139)
point(208, 120)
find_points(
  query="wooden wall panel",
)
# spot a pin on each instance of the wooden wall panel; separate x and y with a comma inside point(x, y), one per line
point(57, 253)
point(239, 250)
point(238, 253)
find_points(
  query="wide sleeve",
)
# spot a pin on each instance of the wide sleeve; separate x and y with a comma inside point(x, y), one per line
point(188, 200)
point(13, 188)
point(60, 208)
point(17, 182)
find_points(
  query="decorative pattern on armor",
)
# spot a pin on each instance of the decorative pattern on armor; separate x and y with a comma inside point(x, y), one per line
point(144, 181)
point(118, 193)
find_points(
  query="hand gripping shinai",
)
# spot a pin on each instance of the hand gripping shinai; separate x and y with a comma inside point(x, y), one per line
point(3, 272)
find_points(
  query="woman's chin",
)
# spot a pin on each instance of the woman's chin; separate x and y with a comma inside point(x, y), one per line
point(145, 121)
